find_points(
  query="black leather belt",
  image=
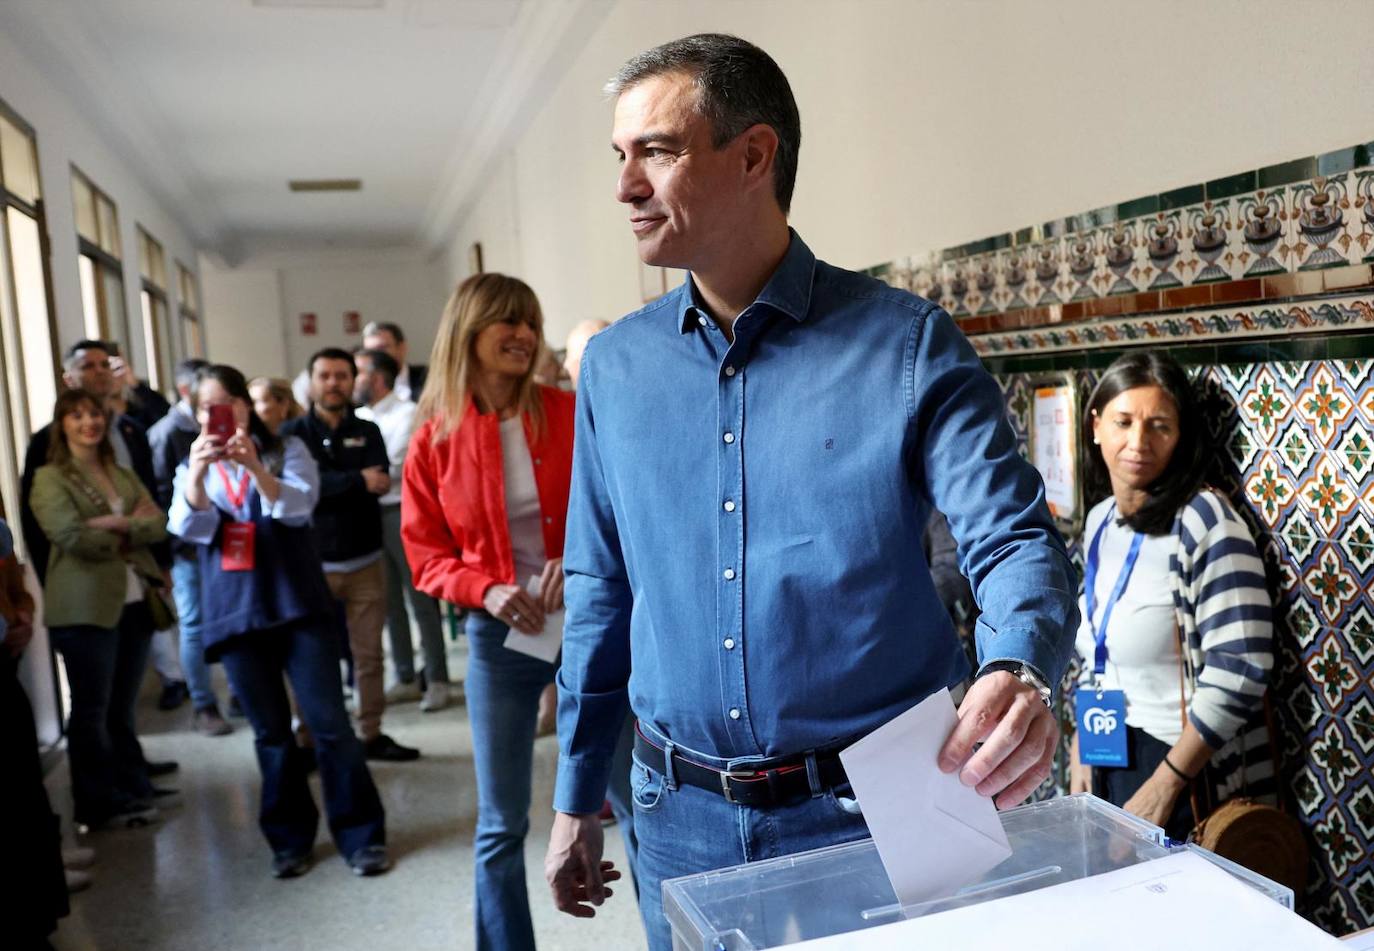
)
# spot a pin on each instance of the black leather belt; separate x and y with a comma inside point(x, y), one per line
point(777, 782)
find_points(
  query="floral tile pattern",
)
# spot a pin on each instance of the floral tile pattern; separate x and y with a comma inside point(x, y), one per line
point(1294, 451)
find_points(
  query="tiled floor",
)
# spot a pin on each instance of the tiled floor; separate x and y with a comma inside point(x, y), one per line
point(199, 881)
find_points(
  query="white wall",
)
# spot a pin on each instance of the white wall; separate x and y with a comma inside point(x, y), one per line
point(927, 123)
point(66, 136)
point(255, 308)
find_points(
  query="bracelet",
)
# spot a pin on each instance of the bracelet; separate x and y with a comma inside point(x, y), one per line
point(1177, 772)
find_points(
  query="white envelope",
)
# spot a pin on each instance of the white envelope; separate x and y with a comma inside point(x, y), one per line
point(544, 645)
point(934, 834)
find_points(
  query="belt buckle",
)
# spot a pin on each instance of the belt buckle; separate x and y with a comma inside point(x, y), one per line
point(728, 774)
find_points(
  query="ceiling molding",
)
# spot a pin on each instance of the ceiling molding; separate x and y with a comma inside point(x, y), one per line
point(542, 43)
point(69, 55)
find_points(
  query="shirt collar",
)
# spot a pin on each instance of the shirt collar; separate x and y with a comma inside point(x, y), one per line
point(787, 291)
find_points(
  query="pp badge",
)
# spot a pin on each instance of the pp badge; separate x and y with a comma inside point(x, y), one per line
point(1101, 720)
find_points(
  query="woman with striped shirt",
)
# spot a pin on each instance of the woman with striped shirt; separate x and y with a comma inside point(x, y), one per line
point(1176, 622)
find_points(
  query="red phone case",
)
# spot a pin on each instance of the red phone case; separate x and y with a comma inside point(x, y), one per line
point(221, 422)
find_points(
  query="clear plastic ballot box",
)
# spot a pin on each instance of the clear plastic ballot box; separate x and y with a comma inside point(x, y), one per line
point(836, 890)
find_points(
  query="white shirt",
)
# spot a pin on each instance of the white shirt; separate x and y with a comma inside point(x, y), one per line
point(402, 387)
point(522, 502)
point(395, 417)
point(1142, 640)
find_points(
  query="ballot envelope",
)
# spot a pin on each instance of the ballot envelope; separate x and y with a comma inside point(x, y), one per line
point(843, 889)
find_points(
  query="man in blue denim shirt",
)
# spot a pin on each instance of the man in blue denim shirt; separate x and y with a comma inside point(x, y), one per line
point(757, 453)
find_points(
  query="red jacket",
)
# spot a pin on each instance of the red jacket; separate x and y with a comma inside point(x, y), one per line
point(453, 500)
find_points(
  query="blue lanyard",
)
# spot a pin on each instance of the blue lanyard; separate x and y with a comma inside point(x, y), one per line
point(1090, 590)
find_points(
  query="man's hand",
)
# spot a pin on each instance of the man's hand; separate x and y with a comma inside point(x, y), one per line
point(1018, 734)
point(377, 480)
point(574, 869)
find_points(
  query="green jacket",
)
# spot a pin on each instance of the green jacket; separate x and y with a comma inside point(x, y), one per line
point(87, 581)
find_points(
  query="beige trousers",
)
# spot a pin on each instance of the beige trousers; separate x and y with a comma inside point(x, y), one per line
point(363, 593)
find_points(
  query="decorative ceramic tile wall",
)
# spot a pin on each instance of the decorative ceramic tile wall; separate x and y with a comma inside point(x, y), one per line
point(1274, 234)
point(1298, 463)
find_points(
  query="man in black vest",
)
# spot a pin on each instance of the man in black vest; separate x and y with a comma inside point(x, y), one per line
point(348, 523)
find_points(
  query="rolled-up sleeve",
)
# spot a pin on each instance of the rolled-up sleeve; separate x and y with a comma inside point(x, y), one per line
point(197, 526)
point(299, 485)
point(965, 455)
point(593, 696)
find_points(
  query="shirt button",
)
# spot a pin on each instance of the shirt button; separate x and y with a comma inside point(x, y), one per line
point(729, 371)
point(729, 437)
point(538, 461)
point(729, 574)
point(701, 320)
point(548, 519)
point(729, 643)
point(734, 713)
point(729, 505)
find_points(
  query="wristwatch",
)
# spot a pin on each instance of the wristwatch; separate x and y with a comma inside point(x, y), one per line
point(1025, 673)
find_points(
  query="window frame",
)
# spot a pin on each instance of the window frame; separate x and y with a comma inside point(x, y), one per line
point(188, 312)
point(160, 351)
point(105, 263)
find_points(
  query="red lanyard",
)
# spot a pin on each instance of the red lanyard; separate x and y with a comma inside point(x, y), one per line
point(236, 499)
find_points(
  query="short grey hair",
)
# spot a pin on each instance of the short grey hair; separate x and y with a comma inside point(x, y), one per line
point(738, 86)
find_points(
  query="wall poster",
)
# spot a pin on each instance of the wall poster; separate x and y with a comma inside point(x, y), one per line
point(1054, 446)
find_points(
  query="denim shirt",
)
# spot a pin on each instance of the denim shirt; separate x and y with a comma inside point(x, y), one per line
point(746, 523)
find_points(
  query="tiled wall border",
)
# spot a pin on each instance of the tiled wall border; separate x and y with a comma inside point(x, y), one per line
point(1294, 230)
point(1345, 313)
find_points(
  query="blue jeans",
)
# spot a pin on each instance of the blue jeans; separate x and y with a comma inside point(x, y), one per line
point(684, 830)
point(307, 652)
point(186, 593)
point(105, 667)
point(503, 689)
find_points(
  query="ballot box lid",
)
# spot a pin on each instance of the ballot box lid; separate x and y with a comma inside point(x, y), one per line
point(843, 888)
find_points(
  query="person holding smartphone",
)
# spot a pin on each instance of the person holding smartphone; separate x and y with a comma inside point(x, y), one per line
point(245, 497)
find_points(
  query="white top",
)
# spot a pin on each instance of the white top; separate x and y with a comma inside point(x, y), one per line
point(1142, 643)
point(522, 502)
point(395, 417)
point(402, 387)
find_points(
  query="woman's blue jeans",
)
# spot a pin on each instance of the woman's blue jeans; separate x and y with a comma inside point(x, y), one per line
point(503, 688)
point(307, 653)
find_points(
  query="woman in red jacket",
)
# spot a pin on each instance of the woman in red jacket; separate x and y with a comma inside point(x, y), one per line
point(484, 503)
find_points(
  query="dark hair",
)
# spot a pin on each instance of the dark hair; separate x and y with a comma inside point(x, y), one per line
point(384, 365)
point(738, 86)
point(385, 327)
point(1182, 477)
point(236, 386)
point(331, 353)
point(80, 345)
point(59, 453)
point(187, 371)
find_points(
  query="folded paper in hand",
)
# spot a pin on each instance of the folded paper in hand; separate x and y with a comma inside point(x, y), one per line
point(546, 644)
point(934, 834)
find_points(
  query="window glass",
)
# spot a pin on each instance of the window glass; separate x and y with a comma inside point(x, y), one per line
point(34, 323)
point(112, 298)
point(19, 161)
point(90, 299)
point(87, 221)
point(191, 337)
point(109, 225)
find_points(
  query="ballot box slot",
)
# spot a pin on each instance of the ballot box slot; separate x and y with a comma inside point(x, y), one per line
point(982, 891)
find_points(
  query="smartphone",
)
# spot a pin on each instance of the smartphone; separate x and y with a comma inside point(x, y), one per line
point(221, 422)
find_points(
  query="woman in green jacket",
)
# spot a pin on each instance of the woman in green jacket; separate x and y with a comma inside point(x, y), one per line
point(99, 600)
